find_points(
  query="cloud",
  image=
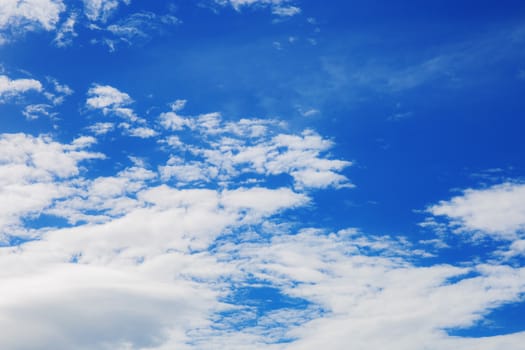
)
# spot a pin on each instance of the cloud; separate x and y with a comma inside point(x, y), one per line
point(66, 33)
point(29, 170)
point(375, 300)
point(279, 7)
point(107, 98)
point(113, 102)
point(12, 88)
point(54, 92)
point(497, 211)
point(139, 28)
point(142, 132)
point(32, 112)
point(18, 16)
point(286, 11)
point(227, 150)
point(101, 10)
point(101, 128)
point(199, 245)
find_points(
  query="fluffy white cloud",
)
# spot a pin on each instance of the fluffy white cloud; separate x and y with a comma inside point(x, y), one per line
point(107, 98)
point(498, 211)
point(10, 88)
point(23, 15)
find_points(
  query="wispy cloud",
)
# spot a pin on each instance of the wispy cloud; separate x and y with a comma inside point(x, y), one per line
point(101, 10)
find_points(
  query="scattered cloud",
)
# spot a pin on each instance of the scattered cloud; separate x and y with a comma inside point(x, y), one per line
point(226, 150)
point(12, 88)
point(497, 211)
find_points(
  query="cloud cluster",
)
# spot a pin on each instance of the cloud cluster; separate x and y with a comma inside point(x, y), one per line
point(49, 94)
point(29, 170)
point(113, 102)
point(225, 150)
point(202, 250)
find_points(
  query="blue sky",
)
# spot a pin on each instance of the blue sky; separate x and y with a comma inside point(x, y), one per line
point(262, 174)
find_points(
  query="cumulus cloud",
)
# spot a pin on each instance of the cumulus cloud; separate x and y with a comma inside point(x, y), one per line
point(17, 16)
point(107, 98)
point(497, 211)
point(11, 88)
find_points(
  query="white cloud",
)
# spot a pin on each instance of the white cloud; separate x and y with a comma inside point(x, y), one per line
point(101, 128)
point(57, 93)
point(377, 301)
point(498, 211)
point(32, 112)
point(142, 132)
point(10, 88)
point(66, 33)
point(32, 171)
point(101, 10)
point(152, 256)
point(107, 98)
point(256, 146)
point(286, 11)
point(139, 27)
point(279, 7)
point(173, 121)
point(19, 16)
